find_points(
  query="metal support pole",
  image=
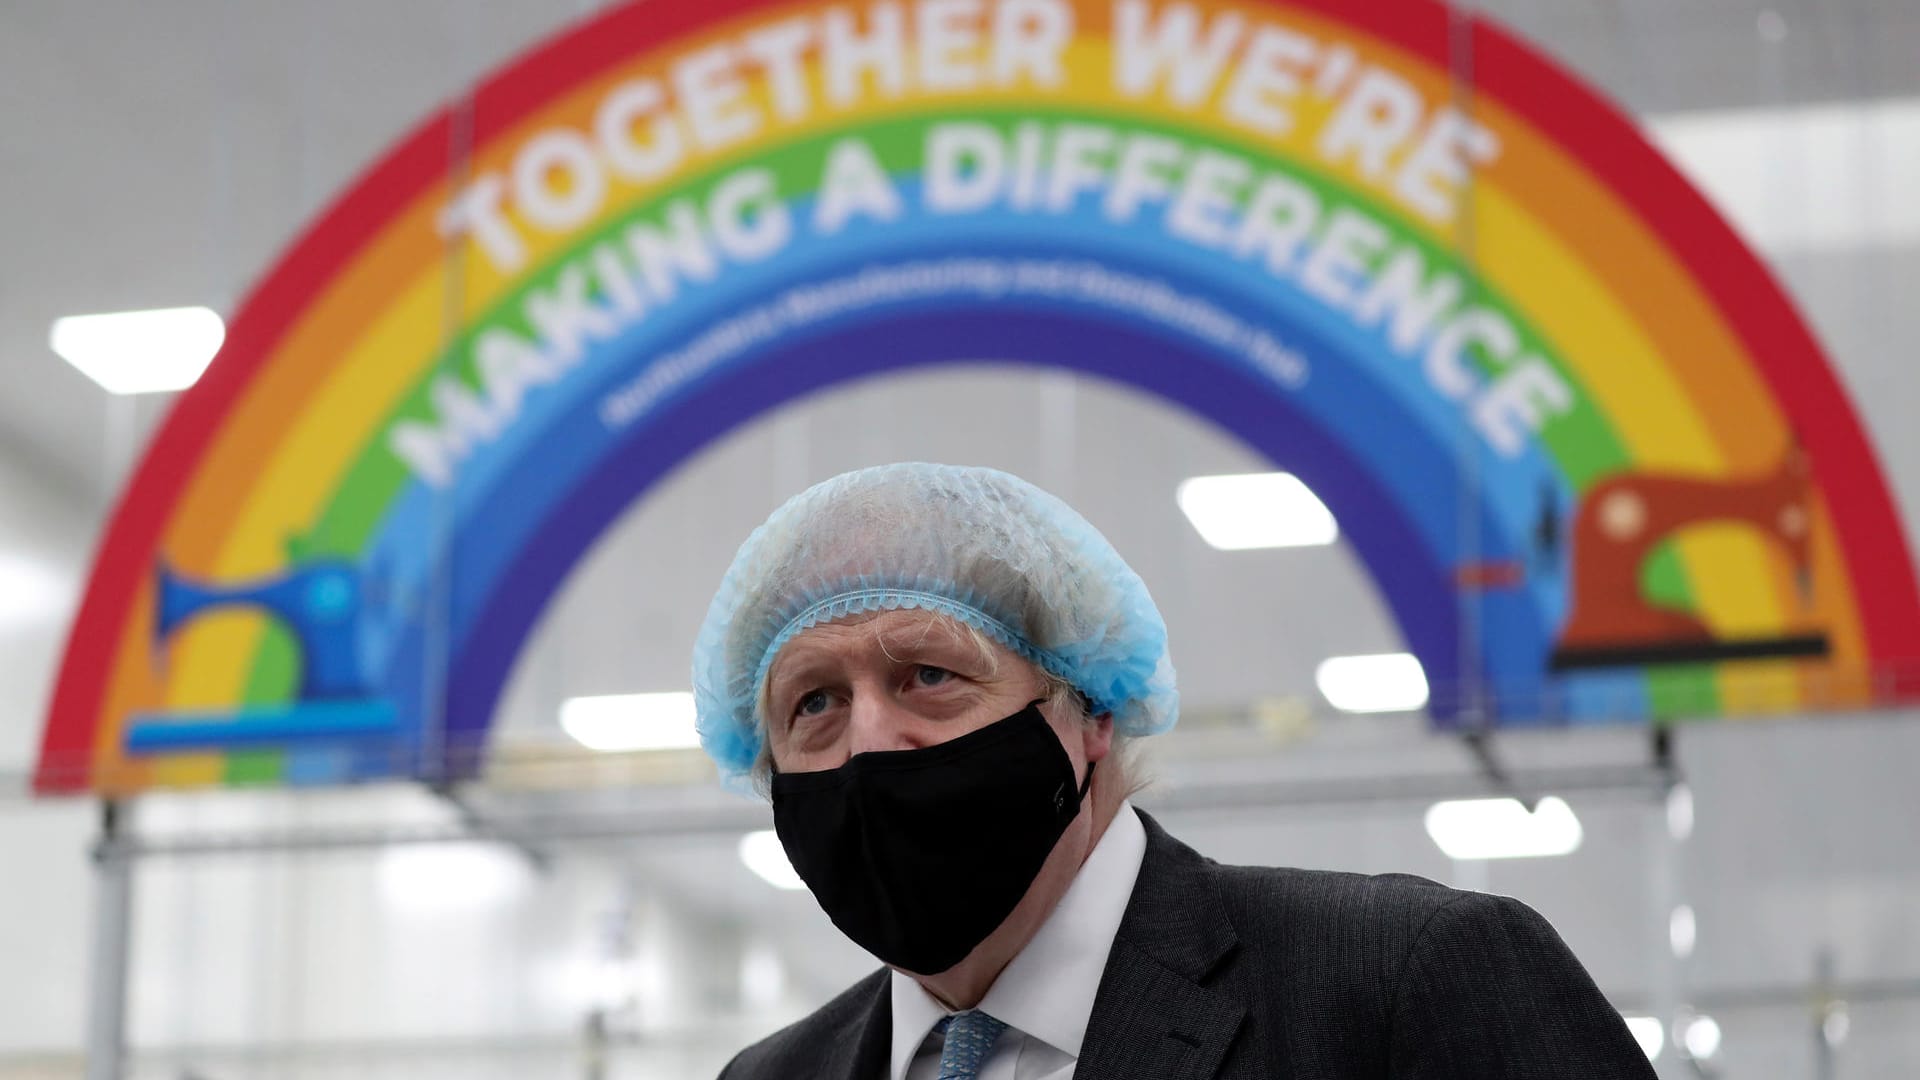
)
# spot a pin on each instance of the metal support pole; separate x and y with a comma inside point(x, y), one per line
point(1471, 875)
point(1662, 894)
point(1829, 1015)
point(1665, 891)
point(112, 926)
point(1479, 744)
point(596, 1050)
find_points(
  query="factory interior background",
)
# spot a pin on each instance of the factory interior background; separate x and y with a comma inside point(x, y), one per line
point(1739, 874)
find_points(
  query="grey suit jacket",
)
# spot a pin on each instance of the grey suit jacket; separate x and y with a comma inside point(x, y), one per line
point(1241, 972)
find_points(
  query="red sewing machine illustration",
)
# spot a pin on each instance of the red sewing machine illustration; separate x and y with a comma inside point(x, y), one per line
point(1619, 523)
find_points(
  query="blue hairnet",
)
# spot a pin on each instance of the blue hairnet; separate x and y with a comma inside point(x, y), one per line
point(977, 545)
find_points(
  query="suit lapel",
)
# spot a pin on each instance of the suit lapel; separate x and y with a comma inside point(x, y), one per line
point(1151, 1016)
point(863, 1054)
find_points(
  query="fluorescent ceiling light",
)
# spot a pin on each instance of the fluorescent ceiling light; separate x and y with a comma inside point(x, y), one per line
point(1680, 812)
point(1255, 510)
point(1837, 1025)
point(433, 879)
point(1831, 177)
point(1502, 828)
point(140, 352)
point(30, 591)
point(1649, 1033)
point(1681, 931)
point(631, 721)
point(762, 853)
point(1703, 1038)
point(1387, 682)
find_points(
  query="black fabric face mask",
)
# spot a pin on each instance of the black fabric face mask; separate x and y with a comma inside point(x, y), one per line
point(918, 855)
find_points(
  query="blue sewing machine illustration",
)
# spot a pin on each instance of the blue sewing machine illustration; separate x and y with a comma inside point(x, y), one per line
point(323, 605)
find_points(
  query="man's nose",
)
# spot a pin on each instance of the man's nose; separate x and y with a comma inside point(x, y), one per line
point(877, 721)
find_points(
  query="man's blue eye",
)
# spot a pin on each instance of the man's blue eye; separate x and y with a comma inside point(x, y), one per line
point(812, 703)
point(932, 676)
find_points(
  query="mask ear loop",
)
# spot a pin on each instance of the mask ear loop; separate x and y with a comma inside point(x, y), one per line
point(1087, 784)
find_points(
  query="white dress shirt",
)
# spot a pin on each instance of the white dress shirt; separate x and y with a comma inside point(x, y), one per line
point(1045, 995)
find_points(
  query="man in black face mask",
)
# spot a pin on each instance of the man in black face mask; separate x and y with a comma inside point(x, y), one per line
point(934, 671)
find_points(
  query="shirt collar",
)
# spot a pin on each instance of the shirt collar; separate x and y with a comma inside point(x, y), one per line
point(1047, 991)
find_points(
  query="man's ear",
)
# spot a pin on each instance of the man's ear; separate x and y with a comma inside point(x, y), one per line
point(1097, 737)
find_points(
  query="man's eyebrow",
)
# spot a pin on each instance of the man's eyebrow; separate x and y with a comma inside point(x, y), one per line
point(906, 645)
point(808, 658)
point(800, 664)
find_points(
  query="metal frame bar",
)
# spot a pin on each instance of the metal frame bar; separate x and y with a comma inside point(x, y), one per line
point(112, 948)
point(540, 830)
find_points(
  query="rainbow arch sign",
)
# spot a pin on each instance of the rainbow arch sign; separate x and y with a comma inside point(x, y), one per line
point(1593, 458)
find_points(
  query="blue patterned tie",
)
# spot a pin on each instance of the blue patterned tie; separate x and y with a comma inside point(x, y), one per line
point(969, 1036)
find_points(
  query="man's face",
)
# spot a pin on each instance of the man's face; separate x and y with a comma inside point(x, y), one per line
point(895, 680)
